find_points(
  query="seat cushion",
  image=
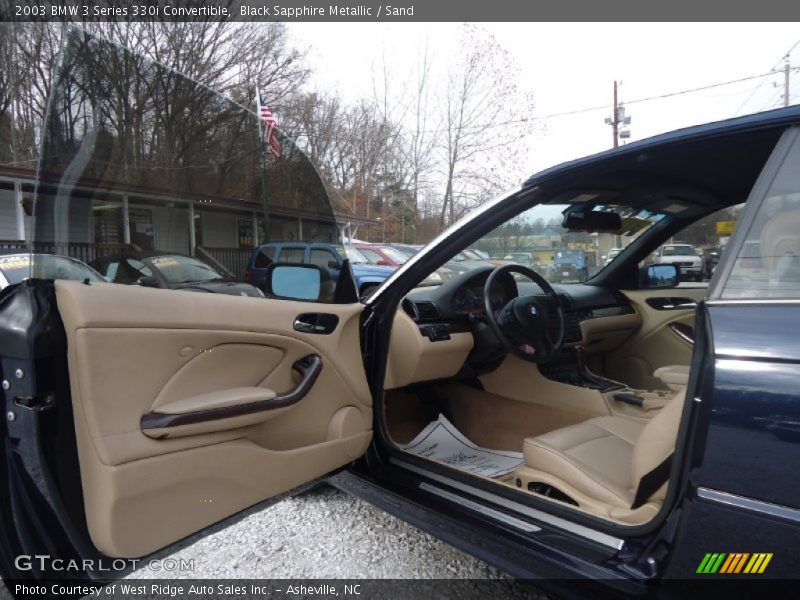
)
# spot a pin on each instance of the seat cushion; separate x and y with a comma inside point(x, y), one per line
point(594, 457)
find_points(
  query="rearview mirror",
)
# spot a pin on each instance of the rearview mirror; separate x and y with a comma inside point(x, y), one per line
point(296, 282)
point(659, 276)
point(592, 220)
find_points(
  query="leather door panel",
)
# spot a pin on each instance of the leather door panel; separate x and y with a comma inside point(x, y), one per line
point(656, 343)
point(134, 349)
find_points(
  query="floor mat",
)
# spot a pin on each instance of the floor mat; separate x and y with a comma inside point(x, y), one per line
point(440, 440)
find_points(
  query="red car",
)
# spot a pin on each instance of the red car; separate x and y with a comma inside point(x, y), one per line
point(379, 254)
point(382, 255)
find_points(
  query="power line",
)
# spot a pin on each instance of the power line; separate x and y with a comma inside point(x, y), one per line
point(659, 97)
point(774, 67)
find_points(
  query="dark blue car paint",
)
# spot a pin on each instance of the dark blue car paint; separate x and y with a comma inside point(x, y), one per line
point(745, 489)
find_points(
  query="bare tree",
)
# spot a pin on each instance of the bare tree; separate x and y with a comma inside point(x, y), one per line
point(484, 125)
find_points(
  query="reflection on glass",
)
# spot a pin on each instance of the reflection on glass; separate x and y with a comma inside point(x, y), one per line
point(303, 283)
point(136, 154)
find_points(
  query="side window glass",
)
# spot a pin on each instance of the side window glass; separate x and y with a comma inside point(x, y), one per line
point(154, 184)
point(697, 249)
point(291, 255)
point(265, 257)
point(768, 263)
point(322, 258)
point(373, 257)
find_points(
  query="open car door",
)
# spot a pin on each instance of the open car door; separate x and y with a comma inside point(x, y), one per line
point(136, 416)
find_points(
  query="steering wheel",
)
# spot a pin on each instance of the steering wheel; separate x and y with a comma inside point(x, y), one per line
point(522, 324)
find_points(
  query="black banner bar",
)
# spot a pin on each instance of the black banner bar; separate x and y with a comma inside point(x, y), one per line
point(399, 10)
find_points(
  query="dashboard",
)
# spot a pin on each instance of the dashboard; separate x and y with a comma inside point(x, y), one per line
point(461, 300)
point(441, 331)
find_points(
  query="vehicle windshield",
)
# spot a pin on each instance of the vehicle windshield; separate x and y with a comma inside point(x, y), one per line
point(682, 250)
point(537, 240)
point(183, 269)
point(354, 256)
point(17, 267)
point(396, 255)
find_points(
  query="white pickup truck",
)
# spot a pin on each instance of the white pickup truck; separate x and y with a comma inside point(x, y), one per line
point(683, 255)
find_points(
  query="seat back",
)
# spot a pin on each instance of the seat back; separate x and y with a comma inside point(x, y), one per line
point(657, 442)
point(780, 248)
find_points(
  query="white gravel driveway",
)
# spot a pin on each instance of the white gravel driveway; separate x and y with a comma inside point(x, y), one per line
point(325, 533)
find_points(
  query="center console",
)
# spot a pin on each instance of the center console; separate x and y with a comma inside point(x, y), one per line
point(570, 368)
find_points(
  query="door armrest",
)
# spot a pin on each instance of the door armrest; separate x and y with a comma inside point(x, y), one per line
point(228, 409)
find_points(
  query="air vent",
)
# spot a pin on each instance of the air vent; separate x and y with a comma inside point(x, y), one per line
point(410, 309)
point(426, 311)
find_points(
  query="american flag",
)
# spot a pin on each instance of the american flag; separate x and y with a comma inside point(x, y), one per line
point(270, 127)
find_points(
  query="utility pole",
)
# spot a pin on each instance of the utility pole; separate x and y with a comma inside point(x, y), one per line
point(786, 70)
point(615, 118)
point(618, 119)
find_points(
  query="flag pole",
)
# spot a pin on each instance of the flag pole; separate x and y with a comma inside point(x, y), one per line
point(263, 152)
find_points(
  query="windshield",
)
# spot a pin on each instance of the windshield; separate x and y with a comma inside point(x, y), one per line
point(536, 239)
point(139, 158)
point(684, 250)
point(354, 256)
point(183, 269)
point(17, 267)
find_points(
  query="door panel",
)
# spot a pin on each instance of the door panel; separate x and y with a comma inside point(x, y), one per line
point(656, 343)
point(133, 350)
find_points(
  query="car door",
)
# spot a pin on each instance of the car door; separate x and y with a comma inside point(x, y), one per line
point(138, 416)
point(745, 496)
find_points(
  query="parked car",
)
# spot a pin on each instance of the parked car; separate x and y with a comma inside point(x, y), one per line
point(612, 254)
point(327, 256)
point(619, 437)
point(382, 254)
point(710, 259)
point(16, 267)
point(683, 255)
point(170, 271)
point(520, 258)
point(387, 255)
point(569, 265)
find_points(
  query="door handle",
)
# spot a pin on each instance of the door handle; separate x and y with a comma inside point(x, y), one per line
point(684, 332)
point(310, 368)
point(667, 303)
point(320, 323)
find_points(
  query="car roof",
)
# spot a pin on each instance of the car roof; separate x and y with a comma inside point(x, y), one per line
point(707, 159)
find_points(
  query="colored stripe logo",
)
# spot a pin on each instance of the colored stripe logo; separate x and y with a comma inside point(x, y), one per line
point(734, 563)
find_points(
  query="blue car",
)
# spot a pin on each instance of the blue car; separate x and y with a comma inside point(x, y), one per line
point(328, 256)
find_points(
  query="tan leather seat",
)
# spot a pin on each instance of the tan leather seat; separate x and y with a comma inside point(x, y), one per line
point(675, 377)
point(604, 458)
point(779, 249)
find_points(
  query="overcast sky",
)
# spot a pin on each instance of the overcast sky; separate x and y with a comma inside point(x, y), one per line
point(572, 66)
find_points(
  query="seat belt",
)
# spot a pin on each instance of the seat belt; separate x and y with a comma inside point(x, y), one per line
point(650, 482)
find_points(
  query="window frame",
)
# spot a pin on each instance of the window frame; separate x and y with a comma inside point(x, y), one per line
point(753, 204)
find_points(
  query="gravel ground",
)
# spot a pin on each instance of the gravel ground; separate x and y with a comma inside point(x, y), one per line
point(325, 533)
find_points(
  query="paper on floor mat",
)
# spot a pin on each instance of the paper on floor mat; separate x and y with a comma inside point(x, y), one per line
point(441, 441)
